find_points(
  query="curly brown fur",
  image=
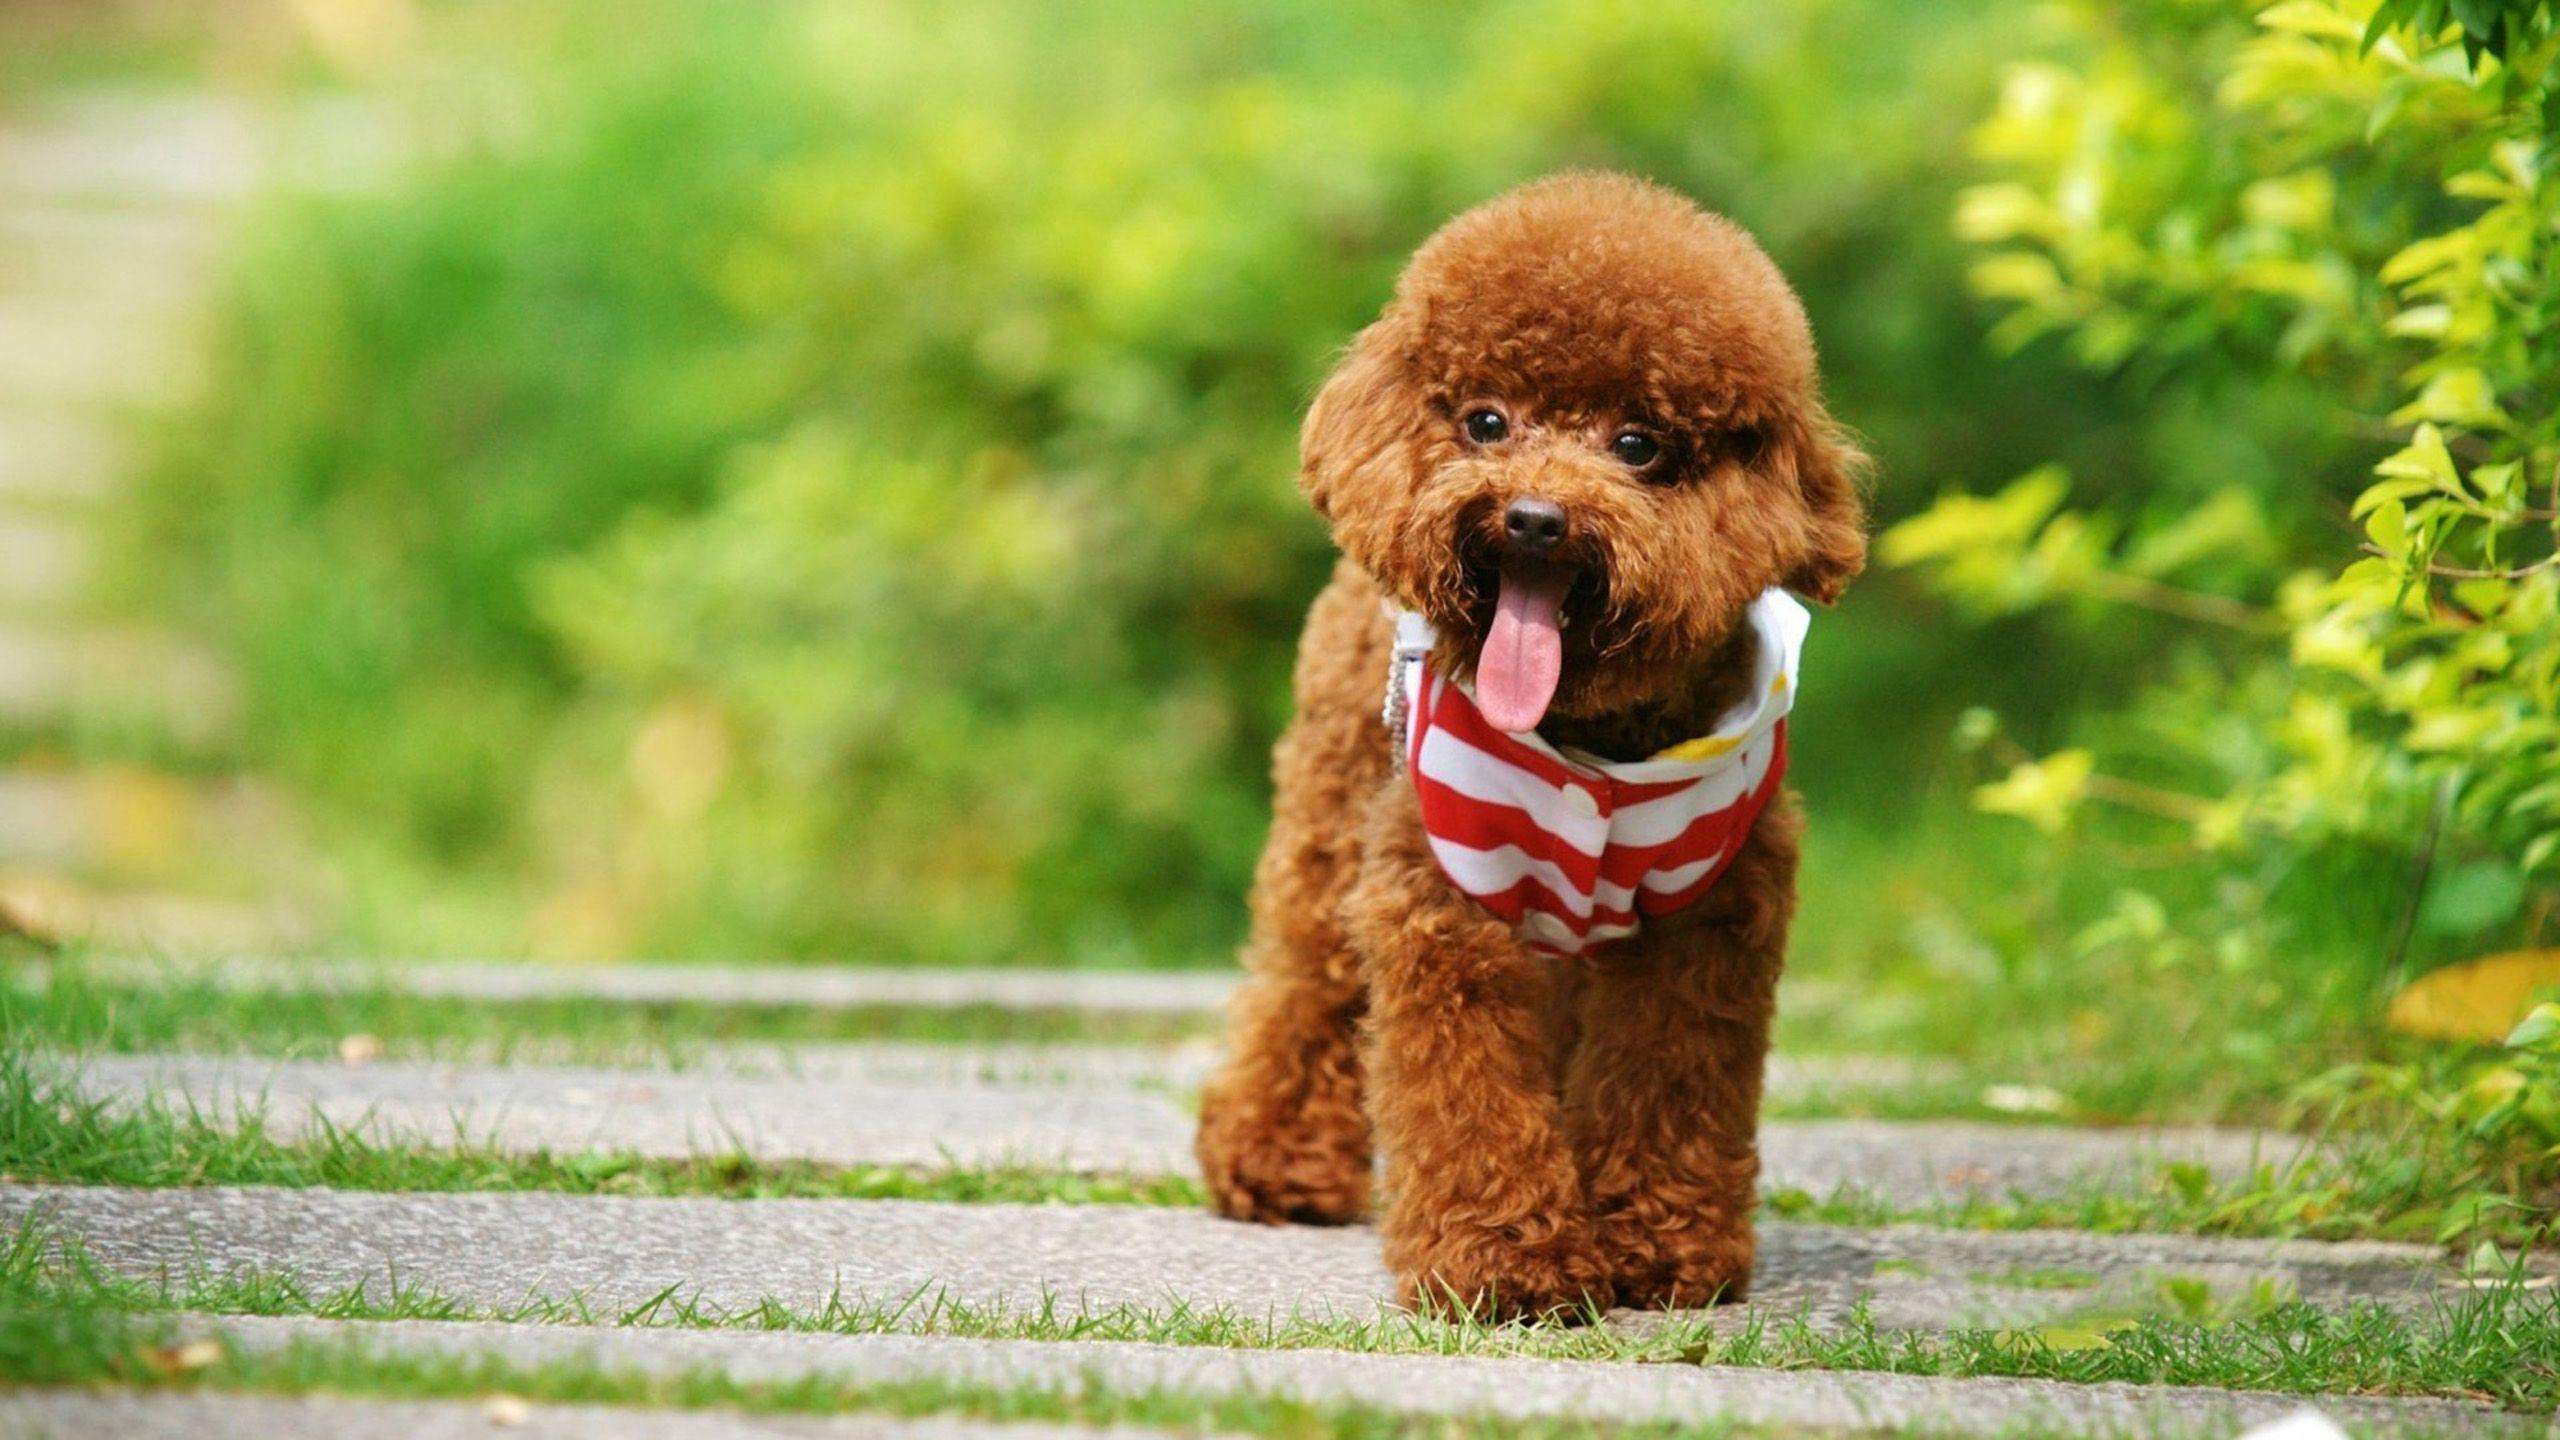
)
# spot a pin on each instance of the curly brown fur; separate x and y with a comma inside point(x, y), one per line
point(1558, 1134)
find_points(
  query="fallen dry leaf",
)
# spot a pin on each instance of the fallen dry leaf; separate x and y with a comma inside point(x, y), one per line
point(181, 1359)
point(2478, 1000)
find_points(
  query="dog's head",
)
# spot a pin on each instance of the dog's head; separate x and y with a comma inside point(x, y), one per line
point(1585, 434)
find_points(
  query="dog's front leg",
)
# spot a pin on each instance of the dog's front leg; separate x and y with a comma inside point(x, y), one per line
point(1663, 1094)
point(1484, 1212)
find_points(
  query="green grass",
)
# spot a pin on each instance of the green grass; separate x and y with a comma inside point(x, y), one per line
point(2500, 1345)
point(58, 1326)
point(63, 1323)
point(70, 1009)
point(2038, 1279)
point(52, 1135)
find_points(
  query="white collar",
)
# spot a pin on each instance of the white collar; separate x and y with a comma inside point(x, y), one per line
point(1777, 619)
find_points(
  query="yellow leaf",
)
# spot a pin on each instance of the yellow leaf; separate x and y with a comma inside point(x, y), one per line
point(2480, 1000)
point(2427, 256)
point(2041, 792)
point(2480, 185)
point(2421, 322)
point(1986, 214)
point(174, 1360)
point(2017, 275)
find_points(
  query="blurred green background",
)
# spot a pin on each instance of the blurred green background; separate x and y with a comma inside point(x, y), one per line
point(814, 480)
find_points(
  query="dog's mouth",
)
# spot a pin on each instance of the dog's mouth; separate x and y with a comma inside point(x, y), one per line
point(1524, 608)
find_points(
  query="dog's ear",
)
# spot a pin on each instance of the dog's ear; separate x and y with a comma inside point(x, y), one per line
point(1356, 418)
point(1829, 471)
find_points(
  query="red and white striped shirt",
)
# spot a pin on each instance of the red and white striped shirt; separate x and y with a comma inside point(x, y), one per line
point(1572, 849)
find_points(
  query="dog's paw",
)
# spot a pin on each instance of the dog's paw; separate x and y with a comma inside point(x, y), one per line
point(1682, 1270)
point(1493, 1281)
point(1275, 1175)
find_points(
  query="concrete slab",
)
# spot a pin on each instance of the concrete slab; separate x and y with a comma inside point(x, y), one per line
point(949, 1119)
point(1178, 1066)
point(169, 241)
point(1113, 992)
point(1426, 1385)
point(671, 1116)
point(87, 356)
point(110, 676)
point(498, 1250)
point(51, 458)
point(825, 985)
point(118, 263)
point(45, 563)
point(213, 1415)
point(132, 148)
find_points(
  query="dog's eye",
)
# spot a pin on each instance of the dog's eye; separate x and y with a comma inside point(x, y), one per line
point(1484, 426)
point(1635, 449)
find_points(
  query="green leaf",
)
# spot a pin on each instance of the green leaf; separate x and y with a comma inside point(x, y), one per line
point(2472, 898)
point(2540, 1027)
point(1987, 214)
point(1959, 523)
point(2455, 397)
point(2041, 792)
point(2388, 526)
point(2424, 458)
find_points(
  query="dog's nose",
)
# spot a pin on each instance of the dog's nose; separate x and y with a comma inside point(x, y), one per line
point(1533, 526)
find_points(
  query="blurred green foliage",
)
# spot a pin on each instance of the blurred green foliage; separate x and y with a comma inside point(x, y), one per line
point(816, 479)
point(2363, 201)
point(2364, 204)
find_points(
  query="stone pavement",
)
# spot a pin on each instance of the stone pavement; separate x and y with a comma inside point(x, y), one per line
point(1180, 1066)
point(1409, 1384)
point(499, 1250)
point(211, 1415)
point(1098, 992)
point(681, 1115)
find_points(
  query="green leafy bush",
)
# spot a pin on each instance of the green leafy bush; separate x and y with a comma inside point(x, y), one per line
point(2357, 675)
point(2360, 201)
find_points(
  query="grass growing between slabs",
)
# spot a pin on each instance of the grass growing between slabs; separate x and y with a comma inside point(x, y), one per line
point(2499, 1345)
point(63, 1324)
point(68, 1008)
point(68, 1011)
point(52, 1134)
point(60, 1326)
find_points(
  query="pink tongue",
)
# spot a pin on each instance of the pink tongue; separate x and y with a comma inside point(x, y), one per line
point(1523, 654)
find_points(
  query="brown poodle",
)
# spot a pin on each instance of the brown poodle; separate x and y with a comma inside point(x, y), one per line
point(1572, 469)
